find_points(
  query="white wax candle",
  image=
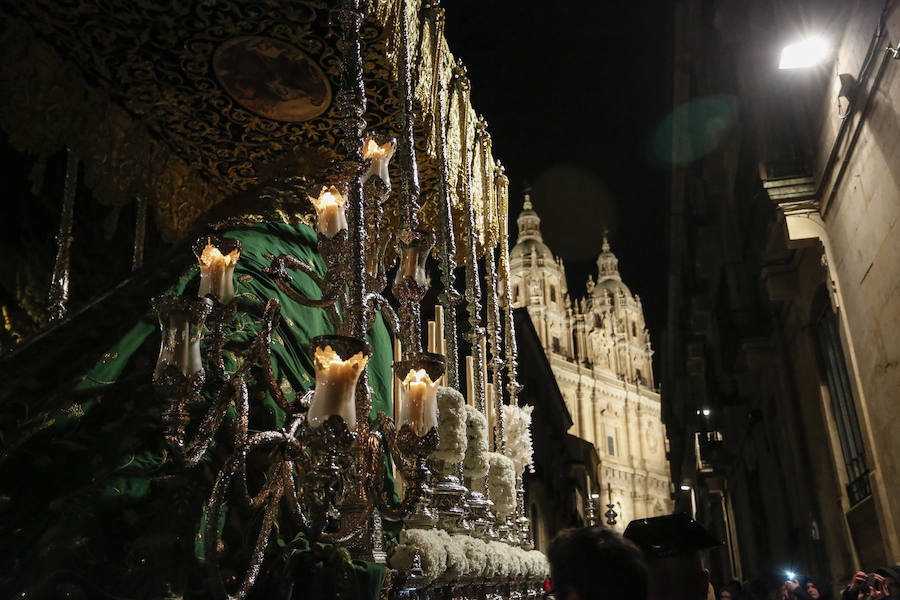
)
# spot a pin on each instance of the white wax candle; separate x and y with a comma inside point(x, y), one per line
point(217, 273)
point(330, 212)
point(409, 267)
point(441, 347)
point(470, 382)
point(491, 411)
point(380, 156)
point(335, 386)
point(484, 361)
point(415, 410)
point(332, 220)
point(419, 402)
point(179, 342)
point(432, 339)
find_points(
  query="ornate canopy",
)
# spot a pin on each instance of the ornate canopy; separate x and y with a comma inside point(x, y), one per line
point(194, 104)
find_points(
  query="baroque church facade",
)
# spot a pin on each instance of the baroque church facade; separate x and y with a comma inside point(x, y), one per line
point(600, 353)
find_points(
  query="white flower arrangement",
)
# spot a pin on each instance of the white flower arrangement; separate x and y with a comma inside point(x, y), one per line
point(517, 427)
point(492, 561)
point(476, 555)
point(506, 564)
point(502, 483)
point(451, 426)
point(517, 562)
point(425, 544)
point(537, 565)
point(457, 563)
point(475, 463)
point(440, 553)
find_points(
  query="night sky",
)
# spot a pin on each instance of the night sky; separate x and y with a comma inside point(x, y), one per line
point(573, 92)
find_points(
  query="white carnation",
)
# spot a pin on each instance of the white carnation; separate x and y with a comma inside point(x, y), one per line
point(517, 561)
point(476, 555)
point(427, 545)
point(504, 563)
point(517, 427)
point(538, 567)
point(475, 464)
point(457, 563)
point(502, 484)
point(451, 426)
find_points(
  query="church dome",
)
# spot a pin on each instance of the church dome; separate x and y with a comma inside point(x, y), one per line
point(608, 278)
point(612, 285)
point(524, 249)
point(530, 241)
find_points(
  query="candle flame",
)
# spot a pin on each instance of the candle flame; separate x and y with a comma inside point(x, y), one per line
point(420, 376)
point(211, 255)
point(371, 149)
point(329, 196)
point(326, 358)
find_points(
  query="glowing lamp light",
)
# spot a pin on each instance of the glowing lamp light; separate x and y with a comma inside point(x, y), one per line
point(217, 260)
point(706, 412)
point(685, 488)
point(331, 217)
point(806, 53)
point(380, 155)
point(336, 380)
point(216, 273)
point(418, 401)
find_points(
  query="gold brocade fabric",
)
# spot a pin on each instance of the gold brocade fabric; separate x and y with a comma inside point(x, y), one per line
point(129, 86)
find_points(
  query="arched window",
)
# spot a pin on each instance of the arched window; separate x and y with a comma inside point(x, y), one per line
point(833, 368)
point(633, 330)
point(552, 293)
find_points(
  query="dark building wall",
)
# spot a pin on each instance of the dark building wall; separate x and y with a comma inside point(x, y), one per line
point(555, 492)
point(757, 260)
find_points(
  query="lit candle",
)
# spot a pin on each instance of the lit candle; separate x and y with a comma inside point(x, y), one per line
point(439, 329)
point(217, 272)
point(330, 212)
point(380, 157)
point(335, 392)
point(420, 401)
point(432, 340)
point(470, 382)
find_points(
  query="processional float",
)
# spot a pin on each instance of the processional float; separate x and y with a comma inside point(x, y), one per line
point(465, 530)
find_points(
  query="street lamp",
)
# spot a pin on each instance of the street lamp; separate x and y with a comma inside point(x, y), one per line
point(807, 52)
